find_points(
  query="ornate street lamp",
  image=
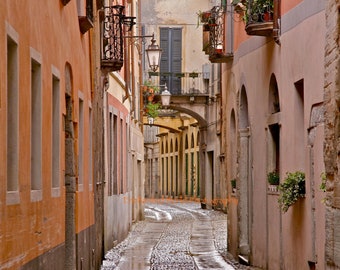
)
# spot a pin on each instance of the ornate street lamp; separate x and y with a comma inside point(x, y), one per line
point(153, 53)
point(165, 97)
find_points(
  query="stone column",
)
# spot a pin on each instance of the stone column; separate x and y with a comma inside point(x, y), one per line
point(243, 206)
point(202, 169)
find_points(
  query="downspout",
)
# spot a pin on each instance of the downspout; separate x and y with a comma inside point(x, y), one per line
point(277, 21)
point(126, 66)
point(133, 106)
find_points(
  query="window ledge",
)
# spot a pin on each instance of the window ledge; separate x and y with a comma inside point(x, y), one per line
point(12, 197)
point(36, 195)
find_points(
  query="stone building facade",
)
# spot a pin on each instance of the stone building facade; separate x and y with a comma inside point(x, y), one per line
point(188, 142)
point(331, 145)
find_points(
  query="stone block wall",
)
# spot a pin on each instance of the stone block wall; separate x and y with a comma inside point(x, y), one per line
point(332, 133)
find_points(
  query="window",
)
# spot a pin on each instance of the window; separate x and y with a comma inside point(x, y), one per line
point(12, 118)
point(115, 154)
point(110, 178)
point(171, 58)
point(36, 126)
point(55, 132)
point(273, 141)
point(299, 121)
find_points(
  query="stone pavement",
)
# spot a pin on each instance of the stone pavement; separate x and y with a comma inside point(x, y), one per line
point(175, 234)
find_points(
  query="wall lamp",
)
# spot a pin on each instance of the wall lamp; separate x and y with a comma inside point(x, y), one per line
point(153, 52)
point(165, 97)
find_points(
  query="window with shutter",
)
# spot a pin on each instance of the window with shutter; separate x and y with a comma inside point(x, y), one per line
point(171, 59)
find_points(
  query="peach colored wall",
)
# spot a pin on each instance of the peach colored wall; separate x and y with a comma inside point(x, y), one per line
point(275, 236)
point(30, 228)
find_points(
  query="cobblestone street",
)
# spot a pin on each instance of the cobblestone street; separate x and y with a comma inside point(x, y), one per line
point(174, 235)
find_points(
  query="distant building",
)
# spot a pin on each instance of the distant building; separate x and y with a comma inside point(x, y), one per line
point(182, 146)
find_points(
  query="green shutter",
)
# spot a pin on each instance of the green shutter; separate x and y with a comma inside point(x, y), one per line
point(171, 59)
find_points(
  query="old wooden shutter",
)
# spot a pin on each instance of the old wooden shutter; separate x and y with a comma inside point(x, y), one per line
point(171, 59)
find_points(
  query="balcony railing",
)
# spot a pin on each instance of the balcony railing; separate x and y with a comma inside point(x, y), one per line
point(112, 39)
point(214, 34)
point(185, 83)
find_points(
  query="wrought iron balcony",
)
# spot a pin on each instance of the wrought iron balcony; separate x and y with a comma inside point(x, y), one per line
point(214, 34)
point(112, 38)
point(185, 83)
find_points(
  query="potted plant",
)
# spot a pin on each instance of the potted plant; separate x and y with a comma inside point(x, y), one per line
point(193, 74)
point(254, 10)
point(149, 91)
point(273, 178)
point(291, 190)
point(205, 17)
point(152, 109)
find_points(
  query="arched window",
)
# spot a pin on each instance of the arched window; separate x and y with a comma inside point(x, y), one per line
point(273, 127)
point(192, 140)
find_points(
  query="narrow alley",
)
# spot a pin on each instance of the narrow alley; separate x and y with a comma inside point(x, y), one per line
point(175, 234)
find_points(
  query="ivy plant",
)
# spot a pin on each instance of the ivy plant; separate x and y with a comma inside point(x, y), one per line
point(292, 188)
point(273, 178)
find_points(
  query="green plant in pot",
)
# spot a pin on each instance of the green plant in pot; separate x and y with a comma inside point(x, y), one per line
point(292, 188)
point(254, 10)
point(152, 109)
point(273, 178)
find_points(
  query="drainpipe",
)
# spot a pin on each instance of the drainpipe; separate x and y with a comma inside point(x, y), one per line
point(70, 189)
point(277, 21)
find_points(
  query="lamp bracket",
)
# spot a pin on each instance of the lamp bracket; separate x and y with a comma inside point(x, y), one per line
point(135, 41)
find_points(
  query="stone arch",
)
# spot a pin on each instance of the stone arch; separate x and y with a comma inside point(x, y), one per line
point(244, 117)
